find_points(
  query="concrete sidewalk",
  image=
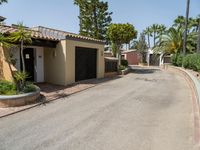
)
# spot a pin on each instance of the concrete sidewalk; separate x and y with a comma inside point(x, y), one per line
point(50, 92)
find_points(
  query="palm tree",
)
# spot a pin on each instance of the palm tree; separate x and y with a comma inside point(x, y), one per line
point(186, 27)
point(172, 41)
point(21, 36)
point(148, 32)
point(194, 23)
point(155, 29)
point(179, 22)
point(4, 42)
point(3, 1)
point(160, 31)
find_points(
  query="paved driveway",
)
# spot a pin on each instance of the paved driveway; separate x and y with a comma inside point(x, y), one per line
point(145, 110)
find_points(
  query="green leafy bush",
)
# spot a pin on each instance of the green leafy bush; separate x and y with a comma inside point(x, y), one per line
point(20, 80)
point(192, 61)
point(7, 88)
point(177, 60)
point(174, 59)
point(29, 88)
point(124, 62)
point(121, 67)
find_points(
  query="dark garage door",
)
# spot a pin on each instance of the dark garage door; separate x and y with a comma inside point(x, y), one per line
point(85, 63)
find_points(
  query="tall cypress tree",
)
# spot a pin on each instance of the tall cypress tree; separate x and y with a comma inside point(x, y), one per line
point(94, 18)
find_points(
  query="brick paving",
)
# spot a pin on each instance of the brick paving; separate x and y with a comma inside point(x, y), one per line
point(50, 92)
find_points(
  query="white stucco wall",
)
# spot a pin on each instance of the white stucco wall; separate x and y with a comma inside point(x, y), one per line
point(39, 64)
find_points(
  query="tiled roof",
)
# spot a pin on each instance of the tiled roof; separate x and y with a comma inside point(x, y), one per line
point(4, 29)
point(47, 33)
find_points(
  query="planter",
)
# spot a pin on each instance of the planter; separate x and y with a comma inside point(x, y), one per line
point(124, 72)
point(19, 100)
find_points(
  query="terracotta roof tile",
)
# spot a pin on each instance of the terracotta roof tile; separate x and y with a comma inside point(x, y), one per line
point(45, 33)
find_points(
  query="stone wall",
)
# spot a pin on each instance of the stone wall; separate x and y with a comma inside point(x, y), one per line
point(1, 64)
point(5, 72)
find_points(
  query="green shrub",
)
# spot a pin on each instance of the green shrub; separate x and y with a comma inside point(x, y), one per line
point(122, 67)
point(20, 80)
point(177, 60)
point(124, 62)
point(192, 61)
point(174, 59)
point(7, 88)
point(29, 88)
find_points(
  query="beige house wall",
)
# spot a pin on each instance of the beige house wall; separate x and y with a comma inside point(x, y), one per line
point(55, 64)
point(70, 58)
point(59, 63)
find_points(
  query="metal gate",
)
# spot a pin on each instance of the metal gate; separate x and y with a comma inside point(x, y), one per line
point(85, 63)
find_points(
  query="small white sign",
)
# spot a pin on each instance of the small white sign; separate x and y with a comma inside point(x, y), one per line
point(27, 56)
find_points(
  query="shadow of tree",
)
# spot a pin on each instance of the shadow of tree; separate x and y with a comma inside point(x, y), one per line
point(144, 70)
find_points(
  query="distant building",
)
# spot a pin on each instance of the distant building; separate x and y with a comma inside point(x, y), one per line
point(132, 56)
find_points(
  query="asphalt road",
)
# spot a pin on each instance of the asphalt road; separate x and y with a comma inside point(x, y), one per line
point(145, 110)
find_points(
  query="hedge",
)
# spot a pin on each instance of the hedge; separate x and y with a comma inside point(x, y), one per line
point(190, 61)
point(177, 60)
point(124, 62)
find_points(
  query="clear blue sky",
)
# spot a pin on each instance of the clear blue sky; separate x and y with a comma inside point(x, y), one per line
point(62, 14)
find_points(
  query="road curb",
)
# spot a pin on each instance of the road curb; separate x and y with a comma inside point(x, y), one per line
point(44, 102)
point(195, 87)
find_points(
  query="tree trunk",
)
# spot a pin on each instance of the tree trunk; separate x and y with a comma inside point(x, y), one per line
point(22, 56)
point(186, 27)
point(154, 38)
point(119, 55)
point(198, 41)
point(149, 41)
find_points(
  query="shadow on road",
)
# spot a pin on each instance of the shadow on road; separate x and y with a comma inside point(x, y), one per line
point(50, 92)
point(144, 70)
